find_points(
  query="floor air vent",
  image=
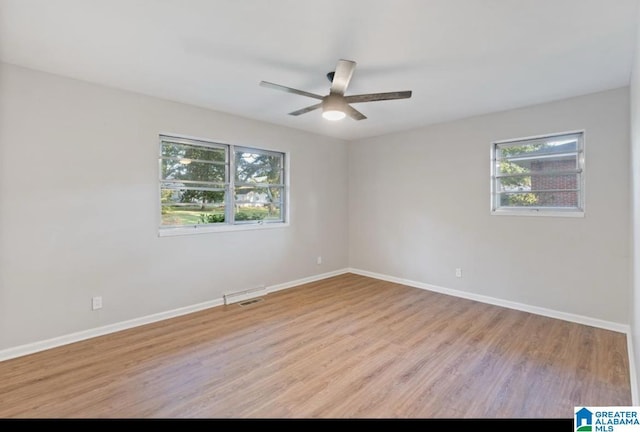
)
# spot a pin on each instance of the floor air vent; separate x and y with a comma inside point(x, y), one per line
point(248, 302)
point(242, 296)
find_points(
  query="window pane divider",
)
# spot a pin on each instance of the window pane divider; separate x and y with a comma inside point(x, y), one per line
point(540, 173)
point(219, 189)
point(262, 185)
point(178, 159)
point(537, 191)
point(218, 184)
point(528, 156)
point(172, 204)
point(229, 196)
point(540, 209)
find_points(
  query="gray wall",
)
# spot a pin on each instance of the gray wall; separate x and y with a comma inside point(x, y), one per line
point(79, 209)
point(419, 207)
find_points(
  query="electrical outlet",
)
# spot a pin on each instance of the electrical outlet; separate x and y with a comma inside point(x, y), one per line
point(319, 260)
point(96, 303)
point(459, 272)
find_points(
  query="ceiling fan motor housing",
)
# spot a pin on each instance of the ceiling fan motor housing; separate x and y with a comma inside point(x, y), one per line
point(333, 102)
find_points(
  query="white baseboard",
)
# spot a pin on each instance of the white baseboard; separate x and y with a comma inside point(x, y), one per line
point(306, 280)
point(34, 347)
point(594, 322)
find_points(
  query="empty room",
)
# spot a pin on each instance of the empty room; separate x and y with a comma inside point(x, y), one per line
point(402, 209)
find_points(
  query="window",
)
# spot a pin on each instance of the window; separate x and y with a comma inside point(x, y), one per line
point(212, 186)
point(539, 176)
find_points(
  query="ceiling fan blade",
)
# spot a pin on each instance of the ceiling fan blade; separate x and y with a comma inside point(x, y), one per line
point(305, 110)
point(342, 76)
point(354, 113)
point(289, 90)
point(372, 97)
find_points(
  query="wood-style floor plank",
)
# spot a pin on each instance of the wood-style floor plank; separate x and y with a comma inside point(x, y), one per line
point(344, 347)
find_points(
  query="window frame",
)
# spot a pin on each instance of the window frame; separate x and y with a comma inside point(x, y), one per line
point(229, 186)
point(578, 211)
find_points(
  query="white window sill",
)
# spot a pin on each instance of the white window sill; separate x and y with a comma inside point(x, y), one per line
point(535, 213)
point(203, 229)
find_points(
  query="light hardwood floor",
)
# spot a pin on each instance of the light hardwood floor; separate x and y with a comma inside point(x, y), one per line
point(344, 347)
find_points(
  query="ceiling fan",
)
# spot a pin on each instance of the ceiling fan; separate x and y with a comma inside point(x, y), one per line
point(336, 105)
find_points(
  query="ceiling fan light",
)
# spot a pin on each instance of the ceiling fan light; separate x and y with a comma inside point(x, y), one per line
point(333, 115)
point(333, 108)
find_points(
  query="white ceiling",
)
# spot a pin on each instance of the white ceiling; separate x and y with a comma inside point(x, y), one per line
point(459, 57)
